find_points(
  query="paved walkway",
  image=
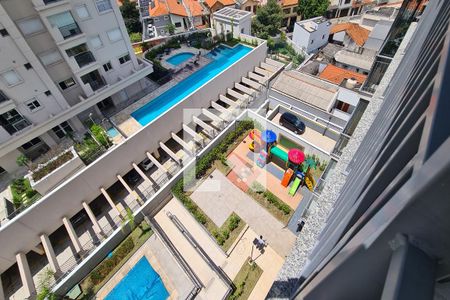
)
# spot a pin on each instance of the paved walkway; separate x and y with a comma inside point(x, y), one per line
point(270, 262)
point(218, 198)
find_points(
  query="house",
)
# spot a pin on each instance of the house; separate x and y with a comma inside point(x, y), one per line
point(231, 20)
point(215, 5)
point(349, 35)
point(343, 77)
point(290, 13)
point(311, 34)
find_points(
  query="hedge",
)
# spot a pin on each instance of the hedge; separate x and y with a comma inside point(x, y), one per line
point(271, 198)
point(105, 267)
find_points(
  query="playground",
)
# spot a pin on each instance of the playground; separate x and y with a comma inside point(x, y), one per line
point(276, 163)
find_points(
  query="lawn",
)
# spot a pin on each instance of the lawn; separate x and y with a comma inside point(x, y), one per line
point(245, 280)
point(109, 266)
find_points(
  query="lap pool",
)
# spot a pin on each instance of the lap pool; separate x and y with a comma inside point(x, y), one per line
point(141, 283)
point(222, 58)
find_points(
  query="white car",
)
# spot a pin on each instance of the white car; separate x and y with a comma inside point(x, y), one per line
point(147, 164)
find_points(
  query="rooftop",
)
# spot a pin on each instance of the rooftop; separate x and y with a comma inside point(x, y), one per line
point(310, 25)
point(361, 60)
point(285, 3)
point(338, 75)
point(232, 13)
point(308, 89)
point(211, 3)
point(176, 7)
point(357, 33)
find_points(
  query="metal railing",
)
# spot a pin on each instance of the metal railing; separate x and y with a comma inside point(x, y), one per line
point(70, 30)
point(84, 59)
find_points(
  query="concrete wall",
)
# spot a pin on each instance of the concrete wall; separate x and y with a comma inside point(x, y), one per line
point(311, 41)
point(66, 199)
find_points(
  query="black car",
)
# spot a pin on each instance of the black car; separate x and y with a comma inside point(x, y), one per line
point(292, 122)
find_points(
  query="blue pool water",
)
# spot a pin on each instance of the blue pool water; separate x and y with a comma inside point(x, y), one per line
point(179, 58)
point(112, 132)
point(141, 283)
point(222, 58)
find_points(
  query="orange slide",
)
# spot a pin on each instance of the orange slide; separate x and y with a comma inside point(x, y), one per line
point(287, 177)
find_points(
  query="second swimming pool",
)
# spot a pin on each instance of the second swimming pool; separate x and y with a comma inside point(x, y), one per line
point(222, 58)
point(141, 283)
point(179, 58)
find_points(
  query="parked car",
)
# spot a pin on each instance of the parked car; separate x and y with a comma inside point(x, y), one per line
point(292, 122)
point(147, 164)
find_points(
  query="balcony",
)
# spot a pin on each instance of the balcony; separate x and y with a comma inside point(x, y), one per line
point(84, 59)
point(46, 2)
point(70, 30)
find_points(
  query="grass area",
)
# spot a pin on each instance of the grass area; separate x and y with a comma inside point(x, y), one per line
point(231, 42)
point(22, 193)
point(138, 237)
point(245, 280)
point(276, 207)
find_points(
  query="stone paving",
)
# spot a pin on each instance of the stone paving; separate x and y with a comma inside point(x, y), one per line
point(218, 198)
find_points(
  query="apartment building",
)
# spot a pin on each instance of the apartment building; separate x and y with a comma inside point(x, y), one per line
point(61, 62)
point(383, 228)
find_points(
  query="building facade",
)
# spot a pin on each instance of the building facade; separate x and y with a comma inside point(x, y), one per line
point(311, 34)
point(61, 62)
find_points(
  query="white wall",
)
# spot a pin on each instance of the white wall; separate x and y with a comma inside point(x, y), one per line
point(311, 41)
point(66, 199)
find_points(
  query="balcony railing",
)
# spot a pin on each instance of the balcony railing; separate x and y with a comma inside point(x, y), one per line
point(96, 85)
point(50, 1)
point(84, 59)
point(70, 30)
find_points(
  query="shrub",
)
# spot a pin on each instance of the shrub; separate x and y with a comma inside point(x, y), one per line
point(100, 135)
point(257, 187)
point(135, 37)
point(271, 198)
point(52, 165)
point(234, 222)
point(226, 234)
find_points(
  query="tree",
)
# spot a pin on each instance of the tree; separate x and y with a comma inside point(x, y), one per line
point(23, 161)
point(130, 15)
point(170, 28)
point(308, 9)
point(268, 20)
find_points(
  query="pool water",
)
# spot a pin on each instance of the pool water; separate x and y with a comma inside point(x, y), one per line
point(141, 283)
point(179, 58)
point(112, 132)
point(222, 58)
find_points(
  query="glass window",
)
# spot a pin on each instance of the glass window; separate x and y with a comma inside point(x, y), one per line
point(124, 58)
point(62, 129)
point(114, 35)
point(82, 12)
point(13, 122)
point(65, 84)
point(4, 32)
point(61, 20)
point(51, 57)
point(177, 24)
point(107, 67)
point(103, 5)
point(11, 77)
point(3, 97)
point(33, 142)
point(96, 42)
point(30, 26)
point(33, 104)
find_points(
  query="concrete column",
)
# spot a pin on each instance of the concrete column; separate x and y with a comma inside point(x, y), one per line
point(72, 234)
point(110, 201)
point(155, 161)
point(145, 177)
point(97, 228)
point(2, 294)
point(25, 274)
point(130, 191)
point(50, 253)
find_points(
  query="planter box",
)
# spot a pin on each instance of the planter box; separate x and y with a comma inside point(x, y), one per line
point(51, 180)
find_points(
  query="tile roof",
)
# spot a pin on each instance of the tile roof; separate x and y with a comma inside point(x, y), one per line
point(211, 3)
point(357, 33)
point(194, 7)
point(160, 8)
point(177, 8)
point(289, 2)
point(337, 75)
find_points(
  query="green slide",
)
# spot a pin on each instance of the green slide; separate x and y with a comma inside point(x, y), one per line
point(294, 186)
point(275, 151)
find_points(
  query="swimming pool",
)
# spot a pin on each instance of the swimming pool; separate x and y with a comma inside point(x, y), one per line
point(112, 132)
point(222, 58)
point(141, 283)
point(179, 58)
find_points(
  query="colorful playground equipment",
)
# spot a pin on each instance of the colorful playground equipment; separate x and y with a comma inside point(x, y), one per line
point(297, 169)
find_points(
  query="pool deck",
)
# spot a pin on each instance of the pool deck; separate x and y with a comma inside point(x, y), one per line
point(175, 280)
point(123, 118)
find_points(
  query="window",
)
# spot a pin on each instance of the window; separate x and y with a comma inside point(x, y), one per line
point(65, 84)
point(248, 8)
point(177, 24)
point(346, 1)
point(114, 35)
point(287, 10)
point(50, 57)
point(124, 59)
point(3, 96)
point(62, 129)
point(323, 36)
point(82, 12)
point(11, 77)
point(107, 67)
point(28, 66)
point(162, 31)
point(65, 23)
point(13, 122)
point(166, 17)
point(103, 5)
point(2, 171)
point(47, 93)
point(96, 42)
point(155, 19)
point(33, 142)
point(312, 41)
point(30, 26)
point(342, 106)
point(4, 32)
point(33, 104)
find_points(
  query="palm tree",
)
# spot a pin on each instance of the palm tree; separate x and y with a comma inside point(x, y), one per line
point(129, 218)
